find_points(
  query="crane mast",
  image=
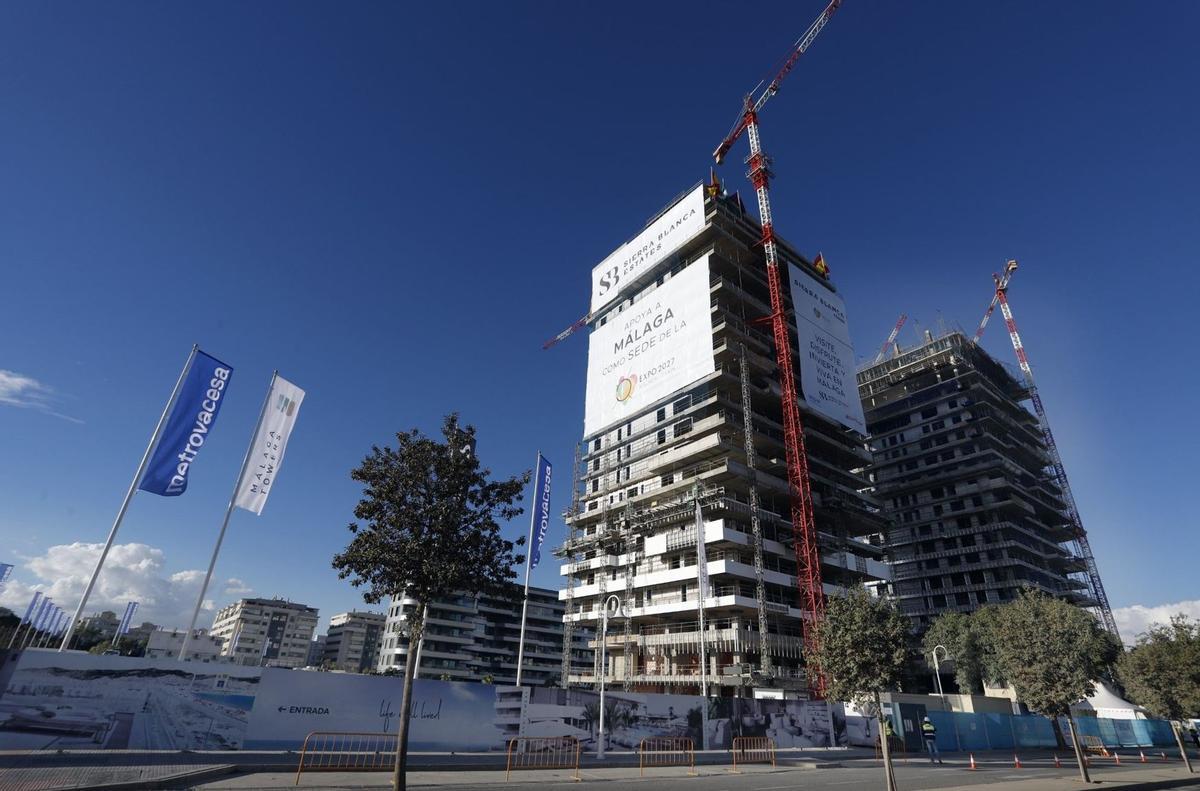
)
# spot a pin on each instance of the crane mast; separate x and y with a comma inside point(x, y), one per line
point(1060, 472)
point(808, 560)
point(891, 339)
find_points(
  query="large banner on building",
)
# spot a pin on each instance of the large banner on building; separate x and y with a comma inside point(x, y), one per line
point(659, 345)
point(826, 353)
point(683, 220)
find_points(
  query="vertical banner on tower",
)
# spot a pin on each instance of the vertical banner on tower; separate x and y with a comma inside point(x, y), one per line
point(826, 354)
point(188, 426)
point(5, 573)
point(541, 510)
point(269, 443)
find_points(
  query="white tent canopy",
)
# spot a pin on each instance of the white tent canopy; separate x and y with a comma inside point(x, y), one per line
point(1106, 703)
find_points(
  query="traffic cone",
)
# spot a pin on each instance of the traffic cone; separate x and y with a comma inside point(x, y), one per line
point(972, 766)
point(1016, 761)
point(1117, 758)
point(1164, 756)
point(1057, 763)
point(1143, 754)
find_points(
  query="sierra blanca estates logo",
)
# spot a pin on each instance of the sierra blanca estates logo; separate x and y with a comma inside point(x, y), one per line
point(625, 387)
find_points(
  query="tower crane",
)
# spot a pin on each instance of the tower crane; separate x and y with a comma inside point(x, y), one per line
point(808, 559)
point(890, 339)
point(1060, 473)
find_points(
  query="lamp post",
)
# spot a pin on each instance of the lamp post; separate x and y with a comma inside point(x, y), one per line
point(613, 602)
point(937, 673)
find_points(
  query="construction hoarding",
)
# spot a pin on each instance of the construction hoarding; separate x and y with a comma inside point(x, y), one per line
point(679, 223)
point(661, 343)
point(826, 354)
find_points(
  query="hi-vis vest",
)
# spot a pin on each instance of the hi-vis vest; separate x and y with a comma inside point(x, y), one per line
point(927, 730)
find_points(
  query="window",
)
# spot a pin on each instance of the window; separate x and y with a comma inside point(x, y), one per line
point(661, 415)
point(683, 427)
point(595, 485)
point(662, 436)
point(667, 480)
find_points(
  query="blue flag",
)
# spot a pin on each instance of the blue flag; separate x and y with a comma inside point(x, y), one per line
point(541, 510)
point(188, 427)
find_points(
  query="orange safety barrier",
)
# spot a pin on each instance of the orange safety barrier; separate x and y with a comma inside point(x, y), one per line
point(347, 751)
point(666, 751)
point(543, 752)
point(1092, 744)
point(753, 750)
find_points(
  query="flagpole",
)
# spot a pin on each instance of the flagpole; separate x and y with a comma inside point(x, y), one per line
point(37, 596)
point(528, 557)
point(137, 477)
point(212, 563)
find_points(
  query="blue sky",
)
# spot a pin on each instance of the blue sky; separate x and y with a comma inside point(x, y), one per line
point(395, 205)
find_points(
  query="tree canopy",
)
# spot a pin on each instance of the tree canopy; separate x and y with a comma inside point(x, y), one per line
point(862, 647)
point(429, 520)
point(1050, 651)
point(1162, 672)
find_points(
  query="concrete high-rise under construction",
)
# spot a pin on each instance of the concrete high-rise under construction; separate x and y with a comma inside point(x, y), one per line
point(677, 358)
point(962, 470)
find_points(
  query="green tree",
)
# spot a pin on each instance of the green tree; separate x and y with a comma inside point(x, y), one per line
point(1162, 673)
point(958, 634)
point(861, 651)
point(1051, 652)
point(428, 527)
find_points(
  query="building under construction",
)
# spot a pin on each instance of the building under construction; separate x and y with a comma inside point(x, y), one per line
point(963, 471)
point(670, 469)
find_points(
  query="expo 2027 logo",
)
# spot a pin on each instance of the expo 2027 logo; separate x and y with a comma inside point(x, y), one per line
point(625, 387)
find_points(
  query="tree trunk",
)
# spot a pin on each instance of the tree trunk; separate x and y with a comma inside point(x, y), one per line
point(1175, 729)
point(410, 669)
point(1083, 770)
point(889, 772)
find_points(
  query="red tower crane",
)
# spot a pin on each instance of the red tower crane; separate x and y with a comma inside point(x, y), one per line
point(808, 559)
point(890, 339)
point(1060, 472)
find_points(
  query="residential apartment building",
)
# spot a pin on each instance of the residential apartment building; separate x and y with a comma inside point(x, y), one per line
point(961, 466)
point(203, 647)
point(470, 637)
point(682, 378)
point(316, 651)
point(270, 632)
point(353, 641)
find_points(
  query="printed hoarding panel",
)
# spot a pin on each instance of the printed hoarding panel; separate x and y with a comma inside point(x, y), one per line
point(446, 716)
point(826, 353)
point(659, 345)
point(81, 701)
point(649, 248)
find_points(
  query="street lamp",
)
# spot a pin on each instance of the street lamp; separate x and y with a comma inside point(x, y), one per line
point(613, 603)
point(937, 673)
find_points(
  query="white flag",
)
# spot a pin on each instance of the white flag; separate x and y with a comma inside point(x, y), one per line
point(270, 441)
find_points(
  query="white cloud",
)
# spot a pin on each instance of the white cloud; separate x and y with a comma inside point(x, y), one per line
point(1133, 620)
point(24, 391)
point(132, 572)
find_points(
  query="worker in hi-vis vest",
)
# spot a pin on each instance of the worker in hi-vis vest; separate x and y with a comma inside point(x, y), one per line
point(929, 733)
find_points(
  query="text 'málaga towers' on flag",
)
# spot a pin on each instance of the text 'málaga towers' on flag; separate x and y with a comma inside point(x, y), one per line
point(188, 426)
point(268, 446)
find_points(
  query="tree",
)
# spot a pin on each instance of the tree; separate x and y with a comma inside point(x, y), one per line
point(861, 651)
point(958, 634)
point(1051, 652)
point(1162, 673)
point(429, 526)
